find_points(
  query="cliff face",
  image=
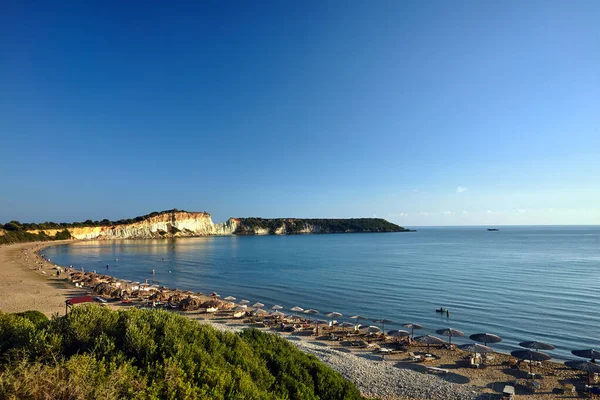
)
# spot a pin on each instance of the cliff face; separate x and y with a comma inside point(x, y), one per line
point(175, 224)
point(185, 224)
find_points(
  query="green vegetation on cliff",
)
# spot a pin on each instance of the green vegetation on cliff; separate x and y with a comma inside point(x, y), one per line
point(16, 225)
point(303, 225)
point(21, 235)
point(98, 353)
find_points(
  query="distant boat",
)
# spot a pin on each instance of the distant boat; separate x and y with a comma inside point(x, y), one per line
point(493, 229)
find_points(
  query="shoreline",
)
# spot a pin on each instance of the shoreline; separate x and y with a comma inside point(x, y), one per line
point(30, 285)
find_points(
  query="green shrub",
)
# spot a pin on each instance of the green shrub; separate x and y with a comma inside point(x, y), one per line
point(98, 353)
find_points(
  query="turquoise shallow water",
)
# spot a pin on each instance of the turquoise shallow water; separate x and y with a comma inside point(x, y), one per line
point(522, 283)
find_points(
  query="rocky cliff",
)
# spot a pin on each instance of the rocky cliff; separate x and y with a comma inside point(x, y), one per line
point(176, 223)
point(172, 224)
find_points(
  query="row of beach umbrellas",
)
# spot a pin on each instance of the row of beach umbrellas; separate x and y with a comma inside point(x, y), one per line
point(531, 352)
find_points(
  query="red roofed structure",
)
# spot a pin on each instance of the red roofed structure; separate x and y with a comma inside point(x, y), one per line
point(77, 300)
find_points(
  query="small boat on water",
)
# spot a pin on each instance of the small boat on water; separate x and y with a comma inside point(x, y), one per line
point(441, 310)
point(493, 229)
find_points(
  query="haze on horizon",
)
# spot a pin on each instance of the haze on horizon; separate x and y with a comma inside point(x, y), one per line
point(445, 113)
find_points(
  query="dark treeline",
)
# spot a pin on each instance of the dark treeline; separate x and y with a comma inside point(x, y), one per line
point(96, 353)
point(20, 226)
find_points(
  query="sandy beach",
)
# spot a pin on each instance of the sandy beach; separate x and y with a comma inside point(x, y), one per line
point(29, 282)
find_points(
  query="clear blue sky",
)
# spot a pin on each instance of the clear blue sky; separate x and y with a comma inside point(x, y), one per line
point(423, 113)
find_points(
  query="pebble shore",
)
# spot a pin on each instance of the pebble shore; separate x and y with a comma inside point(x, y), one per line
point(377, 378)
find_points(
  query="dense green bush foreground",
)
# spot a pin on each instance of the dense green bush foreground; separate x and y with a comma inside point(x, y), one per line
point(96, 353)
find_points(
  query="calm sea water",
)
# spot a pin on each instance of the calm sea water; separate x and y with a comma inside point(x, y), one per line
point(521, 283)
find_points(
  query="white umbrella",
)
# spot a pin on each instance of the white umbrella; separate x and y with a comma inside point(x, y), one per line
point(276, 307)
point(244, 301)
point(277, 314)
point(357, 318)
point(311, 311)
point(333, 315)
point(258, 305)
point(229, 298)
point(373, 329)
point(297, 309)
point(382, 322)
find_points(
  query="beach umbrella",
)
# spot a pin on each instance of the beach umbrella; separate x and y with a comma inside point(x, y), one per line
point(412, 328)
point(333, 315)
point(450, 333)
point(358, 318)
point(297, 309)
point(475, 348)
point(585, 366)
point(587, 353)
point(277, 314)
point(258, 305)
point(276, 307)
point(260, 311)
point(398, 333)
point(371, 329)
point(485, 338)
point(229, 298)
point(429, 340)
point(531, 356)
point(382, 322)
point(244, 302)
point(311, 311)
point(537, 345)
point(319, 322)
point(346, 325)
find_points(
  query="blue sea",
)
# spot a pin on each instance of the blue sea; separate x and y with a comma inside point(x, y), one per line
point(521, 283)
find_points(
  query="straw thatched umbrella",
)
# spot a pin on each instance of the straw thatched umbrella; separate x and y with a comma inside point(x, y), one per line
point(258, 305)
point(297, 309)
point(531, 356)
point(372, 329)
point(212, 303)
point(244, 302)
point(229, 298)
point(311, 311)
point(346, 325)
point(450, 333)
point(537, 345)
point(587, 353)
point(318, 322)
point(357, 318)
point(190, 303)
point(276, 307)
point(333, 315)
point(398, 334)
point(412, 327)
point(585, 366)
point(485, 338)
point(429, 340)
point(277, 314)
point(476, 348)
point(382, 322)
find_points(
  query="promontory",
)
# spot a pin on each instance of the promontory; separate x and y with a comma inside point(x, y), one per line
point(177, 223)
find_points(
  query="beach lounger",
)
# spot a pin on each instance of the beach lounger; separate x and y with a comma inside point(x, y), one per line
point(508, 392)
point(415, 357)
point(533, 386)
point(437, 370)
point(569, 388)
